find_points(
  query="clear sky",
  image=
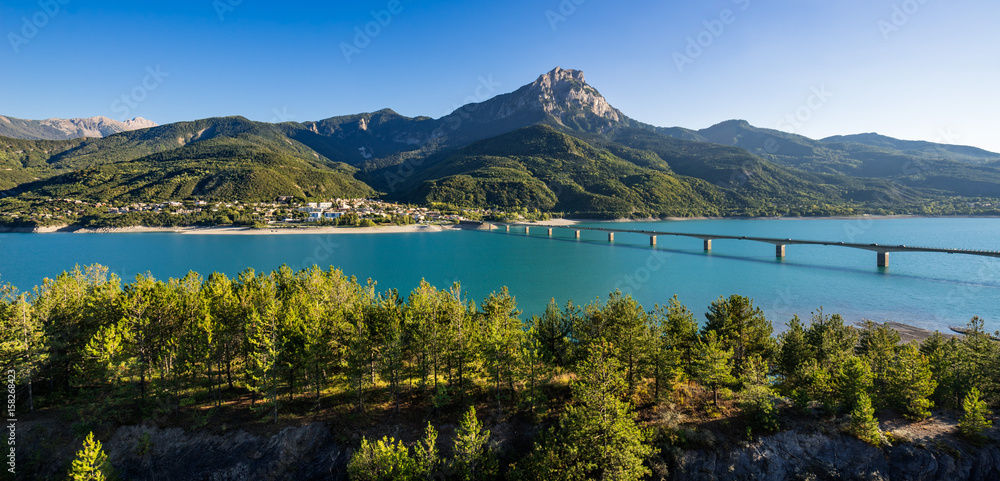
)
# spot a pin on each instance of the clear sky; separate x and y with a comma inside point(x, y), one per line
point(913, 69)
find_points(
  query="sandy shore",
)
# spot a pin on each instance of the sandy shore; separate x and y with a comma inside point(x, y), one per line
point(909, 333)
point(395, 229)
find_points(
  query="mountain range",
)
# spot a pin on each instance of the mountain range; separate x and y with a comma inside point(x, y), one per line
point(554, 145)
point(65, 129)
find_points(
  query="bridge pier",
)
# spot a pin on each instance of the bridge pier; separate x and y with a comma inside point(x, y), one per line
point(550, 232)
point(611, 236)
point(577, 234)
point(526, 230)
point(883, 259)
point(708, 244)
point(508, 228)
point(779, 251)
point(652, 240)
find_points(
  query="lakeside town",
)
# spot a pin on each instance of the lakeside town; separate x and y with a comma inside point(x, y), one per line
point(284, 211)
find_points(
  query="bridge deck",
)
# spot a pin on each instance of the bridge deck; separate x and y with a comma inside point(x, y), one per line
point(880, 248)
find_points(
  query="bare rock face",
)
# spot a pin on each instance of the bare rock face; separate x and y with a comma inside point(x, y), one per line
point(64, 129)
point(301, 453)
point(791, 455)
point(565, 92)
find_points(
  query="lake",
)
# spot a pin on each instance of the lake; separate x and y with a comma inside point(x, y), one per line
point(923, 289)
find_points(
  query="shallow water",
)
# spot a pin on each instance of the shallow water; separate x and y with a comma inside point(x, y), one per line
point(927, 290)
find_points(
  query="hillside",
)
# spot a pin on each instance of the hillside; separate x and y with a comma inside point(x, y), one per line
point(65, 129)
point(555, 144)
point(541, 168)
point(224, 159)
point(947, 169)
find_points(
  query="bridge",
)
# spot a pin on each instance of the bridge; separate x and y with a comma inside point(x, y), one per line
point(881, 250)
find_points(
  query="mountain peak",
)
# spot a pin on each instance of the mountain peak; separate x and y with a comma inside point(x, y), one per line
point(62, 129)
point(565, 95)
point(560, 75)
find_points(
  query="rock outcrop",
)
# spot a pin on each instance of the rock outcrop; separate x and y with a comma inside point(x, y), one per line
point(300, 453)
point(64, 129)
point(793, 455)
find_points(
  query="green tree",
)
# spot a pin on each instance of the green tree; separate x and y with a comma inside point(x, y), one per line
point(472, 457)
point(714, 366)
point(759, 409)
point(976, 361)
point(974, 422)
point(597, 436)
point(90, 464)
point(742, 328)
point(628, 331)
point(428, 460)
point(501, 339)
point(793, 351)
point(877, 343)
point(72, 308)
point(678, 331)
point(863, 423)
point(942, 357)
point(911, 383)
point(383, 460)
point(553, 331)
point(852, 381)
point(830, 340)
point(23, 346)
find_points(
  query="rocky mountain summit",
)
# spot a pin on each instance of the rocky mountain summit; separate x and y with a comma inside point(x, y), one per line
point(65, 129)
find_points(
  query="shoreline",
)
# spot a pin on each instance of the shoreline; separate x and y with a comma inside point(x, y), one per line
point(393, 229)
point(401, 229)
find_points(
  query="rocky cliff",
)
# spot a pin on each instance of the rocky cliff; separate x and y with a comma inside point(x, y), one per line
point(314, 452)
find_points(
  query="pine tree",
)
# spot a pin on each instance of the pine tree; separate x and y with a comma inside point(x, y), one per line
point(678, 332)
point(793, 351)
point(628, 330)
point(22, 338)
point(863, 423)
point(911, 383)
point(597, 437)
point(830, 340)
point(852, 381)
point(974, 422)
point(90, 464)
point(942, 357)
point(742, 328)
point(553, 331)
point(472, 458)
point(877, 343)
point(500, 340)
point(714, 367)
point(383, 460)
point(426, 457)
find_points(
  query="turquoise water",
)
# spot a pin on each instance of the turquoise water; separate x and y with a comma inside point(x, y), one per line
point(928, 290)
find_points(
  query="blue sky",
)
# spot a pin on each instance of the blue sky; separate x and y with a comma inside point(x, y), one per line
point(913, 69)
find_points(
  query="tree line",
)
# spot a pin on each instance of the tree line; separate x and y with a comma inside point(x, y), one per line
point(87, 338)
